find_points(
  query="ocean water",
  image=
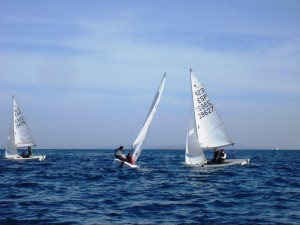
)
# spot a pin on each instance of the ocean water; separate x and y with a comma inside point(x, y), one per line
point(83, 187)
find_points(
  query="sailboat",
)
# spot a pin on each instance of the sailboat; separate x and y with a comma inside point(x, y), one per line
point(19, 136)
point(138, 143)
point(205, 130)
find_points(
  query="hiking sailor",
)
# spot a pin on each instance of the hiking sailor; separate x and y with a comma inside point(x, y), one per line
point(119, 154)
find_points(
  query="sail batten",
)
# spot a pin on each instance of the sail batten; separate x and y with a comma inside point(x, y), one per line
point(139, 141)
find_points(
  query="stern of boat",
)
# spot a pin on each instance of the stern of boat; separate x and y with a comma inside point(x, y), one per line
point(245, 162)
point(42, 158)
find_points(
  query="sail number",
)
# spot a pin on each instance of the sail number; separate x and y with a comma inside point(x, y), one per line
point(206, 112)
point(19, 121)
point(17, 112)
point(205, 107)
point(201, 95)
point(200, 92)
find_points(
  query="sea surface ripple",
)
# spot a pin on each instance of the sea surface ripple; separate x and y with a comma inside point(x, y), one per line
point(84, 187)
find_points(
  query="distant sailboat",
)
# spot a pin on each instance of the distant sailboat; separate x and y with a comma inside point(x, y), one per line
point(138, 143)
point(205, 129)
point(276, 148)
point(19, 136)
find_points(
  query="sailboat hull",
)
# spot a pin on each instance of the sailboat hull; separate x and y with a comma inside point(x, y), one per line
point(19, 158)
point(121, 164)
point(229, 162)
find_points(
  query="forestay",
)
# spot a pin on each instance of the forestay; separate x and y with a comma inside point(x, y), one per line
point(138, 143)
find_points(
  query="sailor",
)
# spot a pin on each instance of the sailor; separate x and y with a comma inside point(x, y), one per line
point(23, 154)
point(129, 158)
point(119, 153)
point(29, 152)
point(222, 156)
point(216, 156)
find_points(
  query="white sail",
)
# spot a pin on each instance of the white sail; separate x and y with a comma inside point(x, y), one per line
point(22, 134)
point(210, 128)
point(11, 149)
point(138, 143)
point(193, 152)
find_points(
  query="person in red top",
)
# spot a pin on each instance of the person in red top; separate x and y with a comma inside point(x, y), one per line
point(129, 158)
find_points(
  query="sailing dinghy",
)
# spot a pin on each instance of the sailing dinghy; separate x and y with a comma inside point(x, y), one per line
point(205, 129)
point(19, 136)
point(138, 143)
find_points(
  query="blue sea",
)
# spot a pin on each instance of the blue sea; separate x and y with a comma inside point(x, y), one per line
point(83, 187)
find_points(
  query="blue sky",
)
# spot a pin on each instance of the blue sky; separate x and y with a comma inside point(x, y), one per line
point(85, 72)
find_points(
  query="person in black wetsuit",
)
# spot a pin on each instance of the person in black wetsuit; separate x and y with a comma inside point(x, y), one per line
point(216, 156)
point(23, 154)
point(29, 152)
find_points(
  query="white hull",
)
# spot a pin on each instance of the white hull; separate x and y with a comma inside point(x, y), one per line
point(20, 158)
point(230, 162)
point(121, 164)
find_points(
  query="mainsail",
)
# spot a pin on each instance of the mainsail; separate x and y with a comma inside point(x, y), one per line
point(138, 143)
point(210, 128)
point(205, 129)
point(19, 133)
point(23, 137)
